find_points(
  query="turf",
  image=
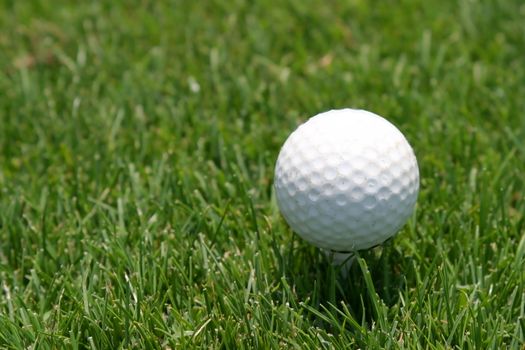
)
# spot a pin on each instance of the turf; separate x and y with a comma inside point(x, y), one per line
point(137, 145)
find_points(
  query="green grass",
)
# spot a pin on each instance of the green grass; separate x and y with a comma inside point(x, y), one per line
point(137, 145)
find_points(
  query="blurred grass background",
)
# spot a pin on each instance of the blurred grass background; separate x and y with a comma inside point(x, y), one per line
point(137, 145)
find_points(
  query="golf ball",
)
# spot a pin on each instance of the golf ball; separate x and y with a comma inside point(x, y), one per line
point(346, 180)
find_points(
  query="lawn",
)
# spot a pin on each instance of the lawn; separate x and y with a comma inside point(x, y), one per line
point(137, 147)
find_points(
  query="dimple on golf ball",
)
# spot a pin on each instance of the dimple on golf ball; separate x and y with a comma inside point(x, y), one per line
point(346, 180)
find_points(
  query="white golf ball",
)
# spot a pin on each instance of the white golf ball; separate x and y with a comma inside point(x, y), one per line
point(346, 180)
